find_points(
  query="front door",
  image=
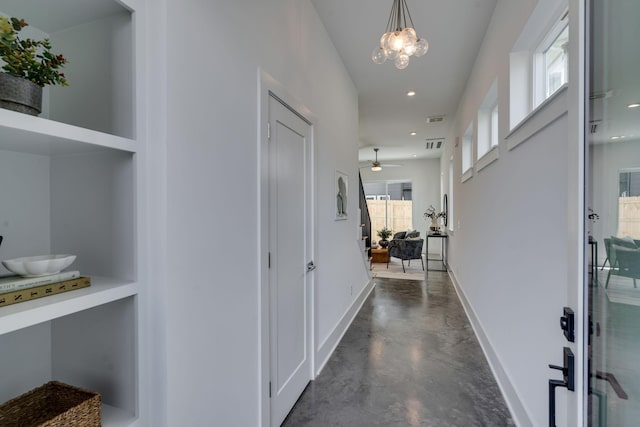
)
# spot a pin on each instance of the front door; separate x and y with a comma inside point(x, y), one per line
point(289, 253)
point(613, 215)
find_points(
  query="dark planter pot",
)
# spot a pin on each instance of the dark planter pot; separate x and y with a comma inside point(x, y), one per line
point(383, 243)
point(20, 95)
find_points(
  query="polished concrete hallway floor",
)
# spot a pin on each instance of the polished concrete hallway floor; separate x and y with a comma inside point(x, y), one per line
point(410, 358)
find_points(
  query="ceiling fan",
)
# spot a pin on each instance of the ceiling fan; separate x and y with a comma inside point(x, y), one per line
point(376, 166)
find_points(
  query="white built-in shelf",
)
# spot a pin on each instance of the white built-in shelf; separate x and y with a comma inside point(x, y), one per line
point(114, 417)
point(75, 175)
point(30, 134)
point(102, 291)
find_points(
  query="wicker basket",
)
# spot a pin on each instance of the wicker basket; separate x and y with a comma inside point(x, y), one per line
point(52, 405)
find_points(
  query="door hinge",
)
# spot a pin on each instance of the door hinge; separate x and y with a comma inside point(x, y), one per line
point(269, 388)
point(268, 130)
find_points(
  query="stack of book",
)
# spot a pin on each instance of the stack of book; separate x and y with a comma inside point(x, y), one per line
point(15, 289)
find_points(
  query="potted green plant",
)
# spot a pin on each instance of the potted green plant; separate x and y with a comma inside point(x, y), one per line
point(384, 234)
point(29, 65)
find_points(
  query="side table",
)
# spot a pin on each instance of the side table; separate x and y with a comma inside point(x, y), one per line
point(380, 255)
point(444, 246)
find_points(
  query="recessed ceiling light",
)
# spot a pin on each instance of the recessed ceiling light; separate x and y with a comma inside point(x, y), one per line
point(413, 133)
point(411, 93)
point(634, 105)
point(617, 137)
point(415, 155)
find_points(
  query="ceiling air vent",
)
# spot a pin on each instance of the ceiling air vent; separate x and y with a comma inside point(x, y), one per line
point(433, 143)
point(600, 95)
point(435, 119)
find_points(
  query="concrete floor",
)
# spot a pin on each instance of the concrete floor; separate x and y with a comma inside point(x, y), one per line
point(410, 358)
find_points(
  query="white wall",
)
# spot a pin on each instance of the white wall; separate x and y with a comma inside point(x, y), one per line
point(100, 91)
point(208, 318)
point(509, 250)
point(24, 216)
point(425, 180)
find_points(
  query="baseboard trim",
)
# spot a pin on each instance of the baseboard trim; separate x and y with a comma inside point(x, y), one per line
point(328, 346)
point(517, 408)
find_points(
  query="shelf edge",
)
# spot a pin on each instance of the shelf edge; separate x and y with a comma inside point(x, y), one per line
point(102, 291)
point(32, 125)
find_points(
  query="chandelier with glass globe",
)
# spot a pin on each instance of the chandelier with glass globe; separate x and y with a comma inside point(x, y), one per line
point(400, 41)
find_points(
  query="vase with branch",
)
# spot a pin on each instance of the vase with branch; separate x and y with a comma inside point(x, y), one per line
point(434, 216)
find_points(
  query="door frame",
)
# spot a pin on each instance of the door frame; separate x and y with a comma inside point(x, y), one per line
point(574, 406)
point(267, 87)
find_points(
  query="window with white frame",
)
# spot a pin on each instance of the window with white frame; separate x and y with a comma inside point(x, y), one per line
point(390, 204)
point(488, 122)
point(629, 203)
point(538, 63)
point(552, 61)
point(467, 153)
point(450, 197)
point(494, 126)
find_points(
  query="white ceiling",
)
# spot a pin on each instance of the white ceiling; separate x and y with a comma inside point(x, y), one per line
point(454, 30)
point(614, 73)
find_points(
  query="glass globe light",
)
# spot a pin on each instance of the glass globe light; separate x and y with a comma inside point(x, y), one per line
point(422, 46)
point(384, 40)
point(378, 55)
point(410, 49)
point(409, 35)
point(401, 61)
point(410, 40)
point(390, 53)
point(396, 41)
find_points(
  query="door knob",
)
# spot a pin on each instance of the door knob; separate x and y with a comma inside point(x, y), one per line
point(310, 266)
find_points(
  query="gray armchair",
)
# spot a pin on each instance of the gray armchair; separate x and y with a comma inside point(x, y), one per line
point(406, 249)
point(624, 258)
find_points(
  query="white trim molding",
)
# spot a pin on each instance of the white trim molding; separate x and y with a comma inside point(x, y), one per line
point(488, 158)
point(467, 175)
point(546, 113)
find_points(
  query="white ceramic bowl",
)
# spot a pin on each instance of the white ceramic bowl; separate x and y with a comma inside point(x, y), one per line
point(35, 266)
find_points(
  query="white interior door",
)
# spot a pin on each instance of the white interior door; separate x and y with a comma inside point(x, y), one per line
point(290, 252)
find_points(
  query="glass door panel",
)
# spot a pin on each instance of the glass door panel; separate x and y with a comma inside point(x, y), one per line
point(613, 213)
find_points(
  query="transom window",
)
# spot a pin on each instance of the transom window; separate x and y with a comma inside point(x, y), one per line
point(556, 63)
point(467, 154)
point(551, 61)
point(539, 60)
point(488, 121)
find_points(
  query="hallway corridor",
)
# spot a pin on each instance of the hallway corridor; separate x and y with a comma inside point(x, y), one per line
point(410, 358)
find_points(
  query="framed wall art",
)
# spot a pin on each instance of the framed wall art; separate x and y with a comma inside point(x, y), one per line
point(342, 197)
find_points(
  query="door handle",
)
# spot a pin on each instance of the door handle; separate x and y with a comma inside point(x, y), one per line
point(310, 266)
point(568, 381)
